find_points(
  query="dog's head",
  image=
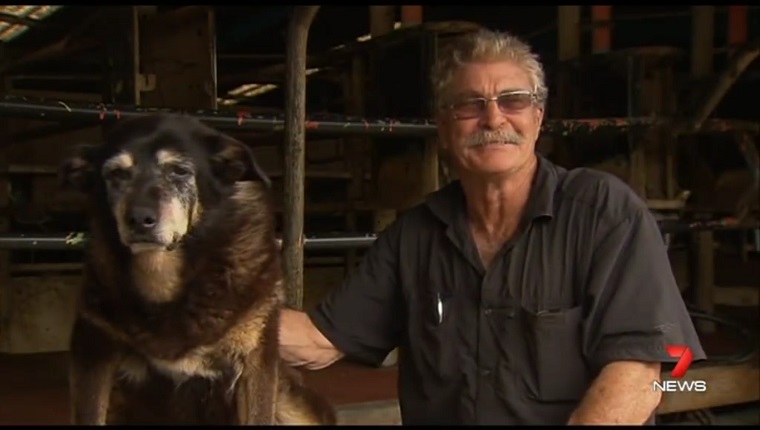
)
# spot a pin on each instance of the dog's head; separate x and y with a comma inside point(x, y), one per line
point(154, 174)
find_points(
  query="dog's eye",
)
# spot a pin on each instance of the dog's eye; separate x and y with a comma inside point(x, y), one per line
point(177, 170)
point(119, 174)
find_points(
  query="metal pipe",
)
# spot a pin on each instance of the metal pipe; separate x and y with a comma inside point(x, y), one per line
point(76, 240)
point(227, 119)
point(42, 109)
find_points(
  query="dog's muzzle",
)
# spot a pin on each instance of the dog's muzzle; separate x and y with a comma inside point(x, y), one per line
point(144, 228)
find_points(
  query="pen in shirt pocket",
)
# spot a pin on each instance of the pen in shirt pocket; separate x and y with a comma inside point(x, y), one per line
point(440, 306)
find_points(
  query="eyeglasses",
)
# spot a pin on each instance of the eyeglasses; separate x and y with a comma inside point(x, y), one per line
point(512, 101)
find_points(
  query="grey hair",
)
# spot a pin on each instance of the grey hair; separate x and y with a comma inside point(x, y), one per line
point(486, 46)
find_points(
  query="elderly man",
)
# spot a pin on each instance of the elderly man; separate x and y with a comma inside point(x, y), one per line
point(522, 293)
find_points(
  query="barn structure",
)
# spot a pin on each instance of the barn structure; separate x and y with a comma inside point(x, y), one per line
point(334, 101)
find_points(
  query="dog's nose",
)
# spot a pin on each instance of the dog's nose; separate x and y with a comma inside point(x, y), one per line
point(143, 218)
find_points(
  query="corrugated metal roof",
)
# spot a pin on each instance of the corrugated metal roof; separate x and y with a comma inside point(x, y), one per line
point(10, 29)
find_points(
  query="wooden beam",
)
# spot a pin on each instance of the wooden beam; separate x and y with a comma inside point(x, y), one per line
point(737, 25)
point(355, 147)
point(177, 59)
point(737, 296)
point(380, 412)
point(601, 38)
point(381, 19)
point(13, 19)
point(726, 385)
point(569, 32)
point(295, 151)
point(7, 305)
point(344, 52)
point(569, 48)
point(57, 95)
point(703, 40)
point(703, 275)
point(738, 63)
point(702, 248)
point(411, 15)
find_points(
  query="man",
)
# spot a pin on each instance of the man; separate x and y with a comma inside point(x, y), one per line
point(522, 293)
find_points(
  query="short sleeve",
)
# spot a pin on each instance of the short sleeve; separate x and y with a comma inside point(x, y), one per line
point(636, 306)
point(362, 317)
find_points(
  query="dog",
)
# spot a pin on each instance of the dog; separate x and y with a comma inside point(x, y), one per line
point(177, 318)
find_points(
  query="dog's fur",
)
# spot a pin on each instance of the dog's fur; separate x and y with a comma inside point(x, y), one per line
point(178, 315)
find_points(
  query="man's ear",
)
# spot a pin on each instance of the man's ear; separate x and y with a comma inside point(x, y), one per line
point(77, 171)
point(232, 161)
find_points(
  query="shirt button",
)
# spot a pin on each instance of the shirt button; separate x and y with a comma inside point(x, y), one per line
point(485, 372)
point(487, 311)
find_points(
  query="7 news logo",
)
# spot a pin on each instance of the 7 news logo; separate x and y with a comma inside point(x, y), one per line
point(685, 357)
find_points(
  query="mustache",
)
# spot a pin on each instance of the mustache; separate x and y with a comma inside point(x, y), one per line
point(483, 137)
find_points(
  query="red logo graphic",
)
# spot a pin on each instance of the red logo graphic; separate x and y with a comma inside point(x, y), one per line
point(685, 357)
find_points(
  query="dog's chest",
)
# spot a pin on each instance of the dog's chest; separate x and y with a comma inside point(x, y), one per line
point(197, 363)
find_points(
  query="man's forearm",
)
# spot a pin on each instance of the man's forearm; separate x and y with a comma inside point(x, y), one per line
point(301, 344)
point(621, 394)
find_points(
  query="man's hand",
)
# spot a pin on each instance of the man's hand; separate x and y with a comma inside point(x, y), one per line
point(621, 394)
point(302, 345)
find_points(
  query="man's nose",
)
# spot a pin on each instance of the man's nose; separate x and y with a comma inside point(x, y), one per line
point(493, 117)
point(143, 218)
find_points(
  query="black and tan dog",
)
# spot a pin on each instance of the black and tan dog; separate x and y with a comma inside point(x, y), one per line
point(178, 316)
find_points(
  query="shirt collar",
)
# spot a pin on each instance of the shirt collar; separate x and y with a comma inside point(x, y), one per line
point(449, 203)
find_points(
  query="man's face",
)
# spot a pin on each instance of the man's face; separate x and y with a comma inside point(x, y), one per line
point(490, 137)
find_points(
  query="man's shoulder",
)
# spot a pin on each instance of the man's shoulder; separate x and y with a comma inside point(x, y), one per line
point(600, 191)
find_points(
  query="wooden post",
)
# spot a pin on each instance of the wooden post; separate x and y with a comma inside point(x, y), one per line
point(737, 26)
point(565, 104)
point(182, 36)
point(355, 147)
point(569, 48)
point(569, 32)
point(411, 15)
point(382, 20)
point(703, 262)
point(295, 151)
point(703, 40)
point(5, 288)
point(601, 36)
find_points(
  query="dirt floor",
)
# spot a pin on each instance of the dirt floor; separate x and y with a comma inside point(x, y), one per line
point(34, 388)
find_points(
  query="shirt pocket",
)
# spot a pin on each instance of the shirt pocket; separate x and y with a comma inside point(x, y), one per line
point(434, 339)
point(554, 347)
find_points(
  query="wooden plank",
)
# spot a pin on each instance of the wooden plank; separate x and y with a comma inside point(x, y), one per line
point(737, 296)
point(703, 275)
point(385, 412)
point(726, 385)
point(178, 49)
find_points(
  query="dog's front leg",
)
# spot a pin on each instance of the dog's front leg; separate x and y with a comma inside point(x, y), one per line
point(93, 361)
point(256, 391)
point(257, 388)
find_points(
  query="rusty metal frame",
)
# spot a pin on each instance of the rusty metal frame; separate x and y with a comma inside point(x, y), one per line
point(228, 119)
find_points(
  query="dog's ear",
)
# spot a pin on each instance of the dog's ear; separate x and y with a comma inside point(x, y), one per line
point(77, 171)
point(233, 161)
